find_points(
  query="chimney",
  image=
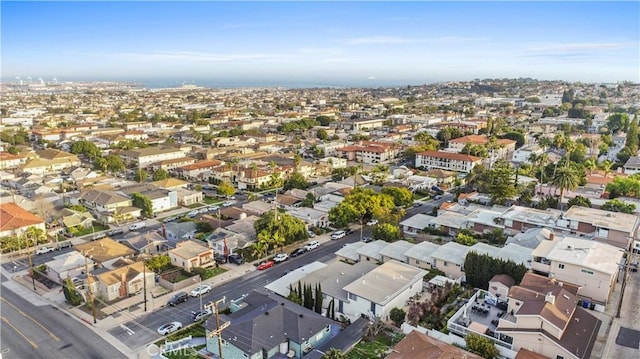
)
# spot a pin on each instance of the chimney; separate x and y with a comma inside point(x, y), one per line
point(550, 298)
point(552, 235)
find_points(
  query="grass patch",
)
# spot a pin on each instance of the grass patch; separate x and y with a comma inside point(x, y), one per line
point(196, 330)
point(97, 227)
point(368, 350)
point(195, 205)
point(211, 200)
point(209, 272)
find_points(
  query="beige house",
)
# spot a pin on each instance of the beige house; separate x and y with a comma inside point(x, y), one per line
point(591, 265)
point(105, 251)
point(447, 161)
point(51, 161)
point(125, 281)
point(449, 258)
point(191, 254)
point(614, 228)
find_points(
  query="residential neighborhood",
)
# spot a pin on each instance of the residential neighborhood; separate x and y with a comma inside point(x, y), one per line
point(489, 218)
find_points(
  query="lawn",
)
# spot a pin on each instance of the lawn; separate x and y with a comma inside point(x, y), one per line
point(195, 205)
point(209, 272)
point(211, 200)
point(368, 350)
point(185, 353)
point(97, 227)
point(195, 330)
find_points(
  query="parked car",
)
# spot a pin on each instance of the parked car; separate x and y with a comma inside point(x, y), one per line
point(366, 239)
point(348, 231)
point(203, 210)
point(372, 222)
point(192, 214)
point(312, 245)
point(43, 250)
point(178, 298)
point(228, 204)
point(220, 258)
point(338, 234)
point(169, 328)
point(116, 231)
point(298, 252)
point(213, 208)
point(64, 244)
point(234, 258)
point(265, 265)
point(169, 219)
point(197, 315)
point(311, 234)
point(136, 226)
point(200, 290)
point(280, 257)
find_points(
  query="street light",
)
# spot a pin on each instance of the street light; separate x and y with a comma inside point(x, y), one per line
point(200, 292)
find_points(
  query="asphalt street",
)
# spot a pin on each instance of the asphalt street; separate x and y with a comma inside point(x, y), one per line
point(144, 328)
point(30, 331)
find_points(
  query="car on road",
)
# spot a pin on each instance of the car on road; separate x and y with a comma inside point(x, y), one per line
point(366, 239)
point(169, 328)
point(192, 214)
point(178, 298)
point(43, 250)
point(116, 231)
point(312, 245)
point(348, 231)
point(280, 257)
point(437, 197)
point(234, 258)
point(338, 234)
point(417, 204)
point(203, 210)
point(200, 290)
point(199, 314)
point(228, 204)
point(213, 208)
point(298, 252)
point(372, 222)
point(64, 244)
point(266, 265)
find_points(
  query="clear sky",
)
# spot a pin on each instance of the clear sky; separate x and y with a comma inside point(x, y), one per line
point(338, 43)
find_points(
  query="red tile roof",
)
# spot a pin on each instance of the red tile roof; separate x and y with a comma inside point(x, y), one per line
point(13, 217)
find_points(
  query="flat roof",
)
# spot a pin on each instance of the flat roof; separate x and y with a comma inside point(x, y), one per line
point(350, 251)
point(419, 220)
point(372, 249)
point(396, 250)
point(590, 254)
point(385, 282)
point(422, 251)
point(603, 219)
point(451, 252)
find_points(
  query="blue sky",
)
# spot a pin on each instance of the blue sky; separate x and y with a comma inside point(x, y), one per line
point(322, 42)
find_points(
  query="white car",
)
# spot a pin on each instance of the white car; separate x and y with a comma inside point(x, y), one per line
point(192, 214)
point(312, 245)
point(200, 290)
point(169, 328)
point(213, 208)
point(372, 222)
point(203, 210)
point(311, 234)
point(43, 250)
point(280, 257)
point(197, 315)
point(338, 234)
point(228, 204)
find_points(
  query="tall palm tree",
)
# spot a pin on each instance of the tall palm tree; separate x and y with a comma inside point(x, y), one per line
point(565, 178)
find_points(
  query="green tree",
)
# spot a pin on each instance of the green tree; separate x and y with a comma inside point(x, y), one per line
point(322, 134)
point(144, 203)
point(261, 246)
point(289, 228)
point(482, 346)
point(566, 178)
point(141, 175)
point(501, 182)
point(579, 201)
point(624, 187)
point(397, 315)
point(632, 136)
point(296, 180)
point(465, 239)
point(334, 353)
point(160, 174)
point(158, 263)
point(86, 148)
point(70, 293)
point(226, 189)
point(618, 122)
point(401, 196)
point(309, 200)
point(317, 307)
point(386, 232)
point(114, 163)
point(480, 268)
point(616, 205)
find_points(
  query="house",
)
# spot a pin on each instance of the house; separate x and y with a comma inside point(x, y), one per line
point(520, 219)
point(614, 228)
point(524, 153)
point(499, 285)
point(69, 265)
point(145, 157)
point(387, 286)
point(591, 265)
point(264, 326)
point(178, 231)
point(632, 166)
point(104, 252)
point(446, 161)
point(420, 255)
point(10, 161)
point(350, 252)
point(191, 254)
point(498, 149)
point(417, 345)
point(531, 238)
point(149, 243)
point(14, 220)
point(311, 217)
point(74, 219)
point(449, 258)
point(396, 250)
point(544, 317)
point(199, 171)
point(416, 223)
point(371, 251)
point(369, 152)
point(420, 183)
point(100, 200)
point(161, 199)
point(125, 281)
point(51, 161)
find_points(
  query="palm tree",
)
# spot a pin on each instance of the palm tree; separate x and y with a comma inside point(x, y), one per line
point(590, 164)
point(606, 167)
point(297, 159)
point(565, 178)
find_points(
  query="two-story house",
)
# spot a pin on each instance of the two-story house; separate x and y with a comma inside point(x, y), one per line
point(614, 228)
point(191, 254)
point(446, 161)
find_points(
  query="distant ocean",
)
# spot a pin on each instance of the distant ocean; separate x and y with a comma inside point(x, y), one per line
point(156, 83)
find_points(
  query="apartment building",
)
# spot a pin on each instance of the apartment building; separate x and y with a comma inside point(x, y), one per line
point(369, 152)
point(614, 228)
point(447, 161)
point(144, 157)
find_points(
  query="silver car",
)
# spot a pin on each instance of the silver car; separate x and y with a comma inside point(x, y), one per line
point(169, 328)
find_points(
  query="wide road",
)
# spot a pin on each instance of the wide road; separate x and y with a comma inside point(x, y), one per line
point(30, 331)
point(145, 327)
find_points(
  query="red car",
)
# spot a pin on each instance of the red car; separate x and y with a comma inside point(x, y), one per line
point(265, 265)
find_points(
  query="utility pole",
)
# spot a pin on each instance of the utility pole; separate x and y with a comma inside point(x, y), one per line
point(219, 328)
point(86, 269)
point(625, 277)
point(33, 272)
point(144, 283)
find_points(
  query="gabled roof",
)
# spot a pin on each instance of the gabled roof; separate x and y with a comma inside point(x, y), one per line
point(265, 322)
point(102, 198)
point(170, 183)
point(104, 249)
point(417, 345)
point(190, 249)
point(13, 217)
point(130, 272)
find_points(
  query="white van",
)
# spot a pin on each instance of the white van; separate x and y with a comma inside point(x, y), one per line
point(136, 226)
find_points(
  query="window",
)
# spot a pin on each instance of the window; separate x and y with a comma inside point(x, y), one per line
point(561, 266)
point(352, 296)
point(586, 271)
